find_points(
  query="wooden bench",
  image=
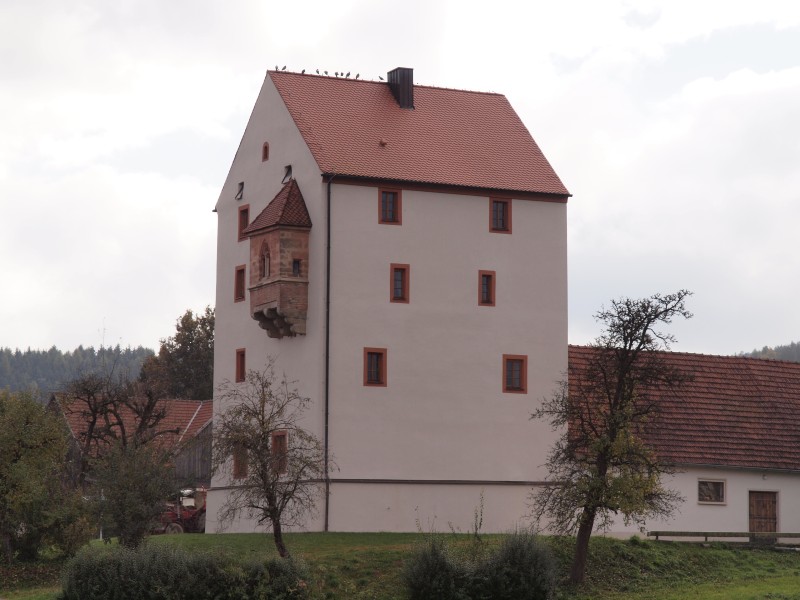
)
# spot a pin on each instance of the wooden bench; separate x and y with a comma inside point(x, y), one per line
point(751, 535)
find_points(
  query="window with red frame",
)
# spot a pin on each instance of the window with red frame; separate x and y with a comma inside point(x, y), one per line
point(486, 287)
point(239, 462)
point(280, 452)
point(515, 373)
point(239, 284)
point(375, 367)
point(244, 220)
point(390, 207)
point(399, 280)
point(240, 365)
point(500, 215)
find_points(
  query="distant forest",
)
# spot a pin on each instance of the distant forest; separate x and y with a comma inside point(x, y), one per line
point(790, 352)
point(47, 371)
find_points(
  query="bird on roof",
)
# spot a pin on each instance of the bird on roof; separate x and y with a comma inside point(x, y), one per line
point(276, 67)
point(303, 72)
point(348, 74)
point(357, 74)
point(317, 71)
point(325, 72)
point(284, 68)
point(379, 77)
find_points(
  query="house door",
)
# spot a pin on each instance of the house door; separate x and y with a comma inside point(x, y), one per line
point(763, 511)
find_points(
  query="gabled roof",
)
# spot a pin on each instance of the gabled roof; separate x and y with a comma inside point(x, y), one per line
point(183, 420)
point(735, 412)
point(287, 208)
point(451, 137)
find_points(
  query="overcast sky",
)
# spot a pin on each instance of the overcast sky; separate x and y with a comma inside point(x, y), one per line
point(675, 125)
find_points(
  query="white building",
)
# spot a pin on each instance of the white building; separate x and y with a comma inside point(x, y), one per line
point(402, 251)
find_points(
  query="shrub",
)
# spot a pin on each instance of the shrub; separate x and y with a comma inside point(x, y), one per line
point(155, 571)
point(431, 572)
point(522, 567)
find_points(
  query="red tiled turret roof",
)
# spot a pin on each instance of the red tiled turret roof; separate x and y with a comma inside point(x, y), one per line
point(735, 412)
point(286, 208)
point(451, 137)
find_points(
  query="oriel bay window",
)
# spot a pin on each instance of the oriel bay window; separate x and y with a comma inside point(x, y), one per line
point(399, 282)
point(515, 373)
point(375, 367)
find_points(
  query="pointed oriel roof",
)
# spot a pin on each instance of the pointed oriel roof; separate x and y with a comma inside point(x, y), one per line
point(287, 208)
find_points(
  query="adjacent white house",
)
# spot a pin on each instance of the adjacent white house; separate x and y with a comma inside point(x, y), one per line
point(401, 250)
point(733, 432)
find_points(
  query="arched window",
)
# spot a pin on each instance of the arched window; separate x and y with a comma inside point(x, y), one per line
point(263, 262)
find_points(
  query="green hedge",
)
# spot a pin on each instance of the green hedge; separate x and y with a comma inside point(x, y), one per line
point(164, 573)
point(521, 568)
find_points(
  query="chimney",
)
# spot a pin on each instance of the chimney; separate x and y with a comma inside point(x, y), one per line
point(401, 82)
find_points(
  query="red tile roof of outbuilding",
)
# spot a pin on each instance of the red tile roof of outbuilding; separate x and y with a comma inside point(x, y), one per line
point(735, 412)
point(451, 137)
point(287, 208)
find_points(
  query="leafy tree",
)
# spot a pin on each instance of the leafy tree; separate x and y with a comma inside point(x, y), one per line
point(600, 465)
point(184, 366)
point(274, 464)
point(123, 462)
point(33, 447)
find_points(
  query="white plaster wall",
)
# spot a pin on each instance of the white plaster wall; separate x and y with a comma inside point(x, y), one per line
point(301, 357)
point(734, 514)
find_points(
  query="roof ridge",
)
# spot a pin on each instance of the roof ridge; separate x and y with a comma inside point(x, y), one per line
point(725, 356)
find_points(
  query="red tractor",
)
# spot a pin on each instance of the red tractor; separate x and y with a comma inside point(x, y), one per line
point(187, 513)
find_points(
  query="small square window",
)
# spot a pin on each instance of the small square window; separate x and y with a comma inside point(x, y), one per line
point(280, 452)
point(500, 215)
point(486, 287)
point(239, 462)
point(240, 191)
point(390, 207)
point(244, 220)
point(711, 491)
point(296, 264)
point(239, 284)
point(375, 367)
point(240, 365)
point(515, 373)
point(399, 281)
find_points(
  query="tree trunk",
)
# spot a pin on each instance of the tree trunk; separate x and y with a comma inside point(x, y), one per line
point(578, 570)
point(277, 533)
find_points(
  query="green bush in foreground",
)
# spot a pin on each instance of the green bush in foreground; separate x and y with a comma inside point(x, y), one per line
point(521, 568)
point(156, 571)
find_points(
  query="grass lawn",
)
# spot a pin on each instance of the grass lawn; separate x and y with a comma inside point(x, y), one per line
point(369, 566)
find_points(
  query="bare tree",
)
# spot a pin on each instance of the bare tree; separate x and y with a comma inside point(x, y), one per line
point(276, 467)
point(601, 466)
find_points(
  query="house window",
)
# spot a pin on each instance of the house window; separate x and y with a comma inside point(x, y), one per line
point(390, 207)
point(240, 191)
point(515, 373)
point(399, 291)
point(244, 220)
point(711, 491)
point(238, 286)
point(280, 452)
point(240, 365)
point(375, 367)
point(500, 215)
point(239, 462)
point(296, 267)
point(486, 285)
point(265, 152)
point(263, 261)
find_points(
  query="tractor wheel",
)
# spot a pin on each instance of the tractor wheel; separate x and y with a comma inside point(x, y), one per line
point(174, 528)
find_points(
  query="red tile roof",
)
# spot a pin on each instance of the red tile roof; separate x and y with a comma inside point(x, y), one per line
point(451, 137)
point(735, 412)
point(183, 420)
point(287, 208)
